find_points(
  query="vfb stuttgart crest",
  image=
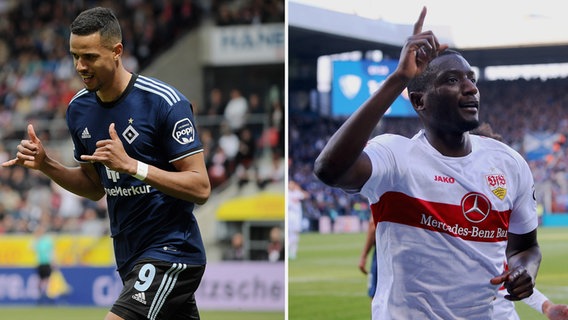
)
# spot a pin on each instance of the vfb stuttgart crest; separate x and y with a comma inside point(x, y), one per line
point(498, 184)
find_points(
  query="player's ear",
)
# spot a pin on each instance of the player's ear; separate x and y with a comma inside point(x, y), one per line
point(416, 98)
point(117, 50)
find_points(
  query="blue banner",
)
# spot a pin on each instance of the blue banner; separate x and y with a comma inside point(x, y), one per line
point(93, 286)
point(354, 82)
point(245, 285)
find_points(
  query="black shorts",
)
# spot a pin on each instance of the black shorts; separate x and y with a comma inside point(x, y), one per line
point(159, 290)
point(44, 271)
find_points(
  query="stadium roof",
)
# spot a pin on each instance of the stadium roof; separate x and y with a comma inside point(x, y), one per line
point(534, 34)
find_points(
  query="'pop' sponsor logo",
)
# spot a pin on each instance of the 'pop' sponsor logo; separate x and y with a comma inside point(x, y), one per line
point(184, 132)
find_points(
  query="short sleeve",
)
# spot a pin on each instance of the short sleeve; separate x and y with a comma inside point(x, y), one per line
point(384, 165)
point(524, 217)
point(180, 136)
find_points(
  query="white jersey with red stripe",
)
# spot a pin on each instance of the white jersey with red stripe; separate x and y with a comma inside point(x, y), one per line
point(504, 309)
point(443, 224)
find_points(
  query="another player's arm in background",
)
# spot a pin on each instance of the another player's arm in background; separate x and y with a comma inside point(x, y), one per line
point(369, 243)
point(190, 182)
point(555, 311)
point(539, 302)
point(83, 180)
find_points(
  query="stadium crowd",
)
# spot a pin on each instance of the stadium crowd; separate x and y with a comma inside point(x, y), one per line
point(513, 108)
point(230, 12)
point(38, 79)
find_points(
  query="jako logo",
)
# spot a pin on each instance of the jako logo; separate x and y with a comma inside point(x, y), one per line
point(444, 179)
point(184, 132)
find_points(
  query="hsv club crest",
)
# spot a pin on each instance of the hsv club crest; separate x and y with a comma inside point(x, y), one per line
point(498, 184)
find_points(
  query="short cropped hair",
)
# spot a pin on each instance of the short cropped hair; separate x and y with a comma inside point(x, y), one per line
point(425, 78)
point(100, 20)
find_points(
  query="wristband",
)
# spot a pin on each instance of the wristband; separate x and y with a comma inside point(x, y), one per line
point(141, 171)
point(536, 300)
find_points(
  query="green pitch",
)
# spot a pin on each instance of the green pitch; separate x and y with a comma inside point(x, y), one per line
point(77, 313)
point(324, 281)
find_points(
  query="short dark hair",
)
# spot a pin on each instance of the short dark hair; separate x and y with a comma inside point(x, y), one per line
point(421, 81)
point(100, 20)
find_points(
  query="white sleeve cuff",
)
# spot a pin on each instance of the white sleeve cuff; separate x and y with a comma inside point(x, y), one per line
point(536, 300)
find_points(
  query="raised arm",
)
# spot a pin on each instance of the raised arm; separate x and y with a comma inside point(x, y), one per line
point(342, 163)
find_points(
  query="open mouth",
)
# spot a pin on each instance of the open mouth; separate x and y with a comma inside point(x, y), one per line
point(473, 105)
point(87, 78)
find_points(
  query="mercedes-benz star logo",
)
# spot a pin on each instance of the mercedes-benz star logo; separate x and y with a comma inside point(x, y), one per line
point(475, 207)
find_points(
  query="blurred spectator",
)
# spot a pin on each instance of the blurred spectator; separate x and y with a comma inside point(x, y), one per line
point(224, 15)
point(216, 102)
point(217, 168)
point(270, 169)
point(19, 181)
point(11, 200)
point(256, 111)
point(69, 206)
point(4, 216)
point(277, 124)
point(231, 12)
point(236, 250)
point(4, 155)
point(236, 111)
point(229, 143)
point(361, 209)
point(91, 225)
point(209, 144)
point(276, 245)
point(244, 159)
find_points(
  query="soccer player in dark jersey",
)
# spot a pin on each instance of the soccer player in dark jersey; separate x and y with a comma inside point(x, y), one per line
point(136, 142)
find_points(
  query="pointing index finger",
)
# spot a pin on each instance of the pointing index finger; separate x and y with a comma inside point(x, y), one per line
point(10, 162)
point(418, 25)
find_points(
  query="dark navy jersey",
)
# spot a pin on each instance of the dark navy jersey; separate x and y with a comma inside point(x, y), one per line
point(155, 124)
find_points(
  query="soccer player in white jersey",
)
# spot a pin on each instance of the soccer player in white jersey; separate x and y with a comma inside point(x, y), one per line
point(448, 205)
point(295, 216)
point(503, 309)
